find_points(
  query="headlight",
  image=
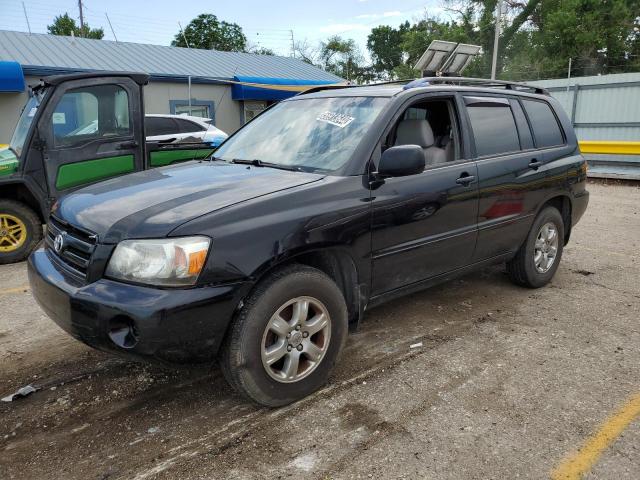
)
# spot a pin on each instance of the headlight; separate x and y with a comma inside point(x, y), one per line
point(170, 262)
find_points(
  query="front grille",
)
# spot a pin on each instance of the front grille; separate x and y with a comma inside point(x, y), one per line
point(77, 245)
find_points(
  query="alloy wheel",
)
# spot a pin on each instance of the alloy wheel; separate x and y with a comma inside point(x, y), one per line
point(545, 248)
point(296, 339)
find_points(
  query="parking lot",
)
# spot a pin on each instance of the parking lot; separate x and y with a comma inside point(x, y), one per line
point(507, 383)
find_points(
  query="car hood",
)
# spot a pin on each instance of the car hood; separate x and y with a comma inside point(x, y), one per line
point(152, 203)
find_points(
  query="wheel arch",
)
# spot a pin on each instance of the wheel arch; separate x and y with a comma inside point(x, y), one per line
point(20, 192)
point(563, 204)
point(337, 263)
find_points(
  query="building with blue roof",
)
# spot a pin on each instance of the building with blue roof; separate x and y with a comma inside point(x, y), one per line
point(228, 87)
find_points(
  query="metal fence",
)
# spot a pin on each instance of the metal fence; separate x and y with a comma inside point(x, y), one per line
point(604, 109)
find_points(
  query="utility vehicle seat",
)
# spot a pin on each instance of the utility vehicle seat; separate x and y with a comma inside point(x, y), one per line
point(419, 132)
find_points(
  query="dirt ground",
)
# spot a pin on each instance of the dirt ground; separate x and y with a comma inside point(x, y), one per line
point(506, 384)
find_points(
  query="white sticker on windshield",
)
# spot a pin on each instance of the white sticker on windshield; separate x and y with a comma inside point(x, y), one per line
point(59, 118)
point(338, 119)
point(32, 112)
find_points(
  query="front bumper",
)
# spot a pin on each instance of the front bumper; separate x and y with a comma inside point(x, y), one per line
point(171, 325)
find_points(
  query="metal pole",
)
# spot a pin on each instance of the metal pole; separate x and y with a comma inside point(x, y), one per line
point(183, 35)
point(568, 75)
point(111, 26)
point(293, 45)
point(26, 17)
point(496, 41)
point(81, 18)
point(189, 80)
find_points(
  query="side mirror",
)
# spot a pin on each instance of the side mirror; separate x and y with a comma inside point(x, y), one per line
point(401, 161)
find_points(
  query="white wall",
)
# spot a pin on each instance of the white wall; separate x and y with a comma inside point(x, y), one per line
point(227, 111)
point(10, 107)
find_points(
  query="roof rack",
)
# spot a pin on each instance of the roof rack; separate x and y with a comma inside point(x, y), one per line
point(338, 86)
point(427, 81)
point(477, 82)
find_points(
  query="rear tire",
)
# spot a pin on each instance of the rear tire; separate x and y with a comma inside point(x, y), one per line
point(539, 256)
point(273, 363)
point(20, 231)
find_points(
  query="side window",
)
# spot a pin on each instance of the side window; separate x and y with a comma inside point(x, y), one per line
point(544, 124)
point(493, 125)
point(187, 126)
point(90, 113)
point(430, 124)
point(523, 126)
point(160, 126)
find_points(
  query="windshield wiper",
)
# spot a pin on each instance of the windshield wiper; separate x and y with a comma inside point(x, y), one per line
point(259, 163)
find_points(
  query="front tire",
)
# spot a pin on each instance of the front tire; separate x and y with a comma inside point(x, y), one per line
point(285, 341)
point(538, 258)
point(20, 231)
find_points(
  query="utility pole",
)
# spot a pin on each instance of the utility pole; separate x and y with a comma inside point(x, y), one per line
point(183, 35)
point(111, 26)
point(26, 17)
point(293, 45)
point(569, 75)
point(81, 18)
point(496, 41)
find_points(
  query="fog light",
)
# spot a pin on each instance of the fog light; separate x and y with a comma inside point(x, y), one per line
point(122, 332)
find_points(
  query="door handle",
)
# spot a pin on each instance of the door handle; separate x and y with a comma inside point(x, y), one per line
point(465, 180)
point(127, 145)
point(535, 164)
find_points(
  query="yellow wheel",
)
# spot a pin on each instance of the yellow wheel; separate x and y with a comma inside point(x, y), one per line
point(13, 233)
point(20, 231)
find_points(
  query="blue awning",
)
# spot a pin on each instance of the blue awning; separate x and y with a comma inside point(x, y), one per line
point(264, 88)
point(11, 77)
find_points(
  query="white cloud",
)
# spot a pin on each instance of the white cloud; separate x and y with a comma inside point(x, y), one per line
point(336, 28)
point(373, 16)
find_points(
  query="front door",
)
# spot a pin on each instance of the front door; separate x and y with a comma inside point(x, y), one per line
point(92, 131)
point(425, 225)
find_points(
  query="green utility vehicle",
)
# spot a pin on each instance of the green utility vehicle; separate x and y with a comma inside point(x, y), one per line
point(74, 130)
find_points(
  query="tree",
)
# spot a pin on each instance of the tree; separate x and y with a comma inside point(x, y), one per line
point(257, 49)
point(305, 52)
point(65, 25)
point(206, 32)
point(384, 45)
point(342, 57)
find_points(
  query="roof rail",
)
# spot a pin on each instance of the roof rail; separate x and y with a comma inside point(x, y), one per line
point(479, 82)
point(426, 81)
point(337, 86)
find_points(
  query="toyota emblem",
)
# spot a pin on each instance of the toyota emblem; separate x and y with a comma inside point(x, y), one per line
point(58, 243)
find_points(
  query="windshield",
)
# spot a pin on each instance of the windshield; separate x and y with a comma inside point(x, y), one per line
point(312, 134)
point(26, 118)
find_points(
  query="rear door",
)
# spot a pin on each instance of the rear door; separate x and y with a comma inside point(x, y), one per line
point(92, 131)
point(510, 170)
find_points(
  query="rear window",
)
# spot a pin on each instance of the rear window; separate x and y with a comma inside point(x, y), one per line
point(160, 126)
point(187, 126)
point(544, 124)
point(493, 125)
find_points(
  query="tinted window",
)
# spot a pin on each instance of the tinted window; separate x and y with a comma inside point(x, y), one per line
point(523, 126)
point(544, 123)
point(494, 128)
point(187, 126)
point(90, 113)
point(160, 126)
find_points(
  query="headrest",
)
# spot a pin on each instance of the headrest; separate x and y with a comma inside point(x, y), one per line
point(415, 132)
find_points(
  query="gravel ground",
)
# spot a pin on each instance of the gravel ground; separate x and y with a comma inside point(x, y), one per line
point(507, 383)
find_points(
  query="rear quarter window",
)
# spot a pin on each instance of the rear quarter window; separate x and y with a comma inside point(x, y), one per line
point(494, 128)
point(544, 124)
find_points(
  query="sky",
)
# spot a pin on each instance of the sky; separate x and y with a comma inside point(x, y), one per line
point(265, 23)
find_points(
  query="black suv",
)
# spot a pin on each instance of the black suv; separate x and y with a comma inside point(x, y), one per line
point(324, 206)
